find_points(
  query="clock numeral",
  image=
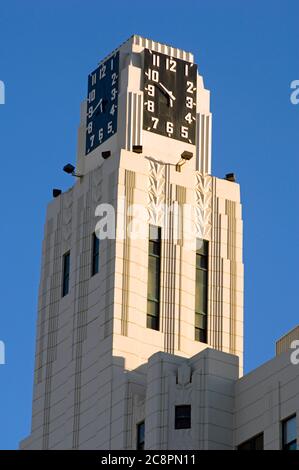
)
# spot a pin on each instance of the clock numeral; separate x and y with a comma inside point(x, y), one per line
point(155, 122)
point(91, 96)
point(113, 94)
point(114, 78)
point(189, 102)
point(101, 135)
point(169, 127)
point(151, 90)
point(111, 64)
point(150, 106)
point(94, 79)
point(113, 109)
point(102, 72)
point(89, 127)
point(109, 127)
point(153, 75)
point(90, 112)
point(156, 60)
point(186, 70)
point(91, 140)
point(100, 105)
point(188, 118)
point(184, 132)
point(170, 65)
point(190, 87)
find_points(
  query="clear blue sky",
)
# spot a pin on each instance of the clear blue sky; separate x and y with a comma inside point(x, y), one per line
point(248, 54)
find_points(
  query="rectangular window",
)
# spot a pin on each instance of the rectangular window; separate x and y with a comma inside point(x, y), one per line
point(255, 443)
point(140, 436)
point(154, 275)
point(289, 433)
point(182, 417)
point(201, 291)
point(95, 255)
point(66, 274)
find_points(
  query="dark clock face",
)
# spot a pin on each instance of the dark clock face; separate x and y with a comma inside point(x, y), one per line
point(169, 96)
point(102, 98)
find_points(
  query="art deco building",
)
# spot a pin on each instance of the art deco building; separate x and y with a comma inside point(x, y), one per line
point(140, 322)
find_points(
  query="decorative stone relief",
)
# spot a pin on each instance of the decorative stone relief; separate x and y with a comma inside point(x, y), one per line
point(184, 375)
point(156, 191)
point(203, 209)
point(67, 215)
point(97, 184)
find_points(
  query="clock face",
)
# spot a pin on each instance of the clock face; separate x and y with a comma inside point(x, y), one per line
point(169, 96)
point(101, 122)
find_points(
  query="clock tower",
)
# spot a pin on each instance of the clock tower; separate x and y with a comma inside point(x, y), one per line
point(143, 254)
point(150, 95)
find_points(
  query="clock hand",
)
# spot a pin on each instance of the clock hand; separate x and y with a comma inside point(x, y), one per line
point(170, 94)
point(100, 103)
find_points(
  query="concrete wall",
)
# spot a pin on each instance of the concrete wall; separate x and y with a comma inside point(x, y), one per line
point(263, 398)
point(225, 410)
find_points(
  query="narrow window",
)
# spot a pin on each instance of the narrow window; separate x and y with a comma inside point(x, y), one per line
point(201, 291)
point(254, 443)
point(95, 255)
point(66, 274)
point(154, 274)
point(182, 417)
point(289, 433)
point(140, 436)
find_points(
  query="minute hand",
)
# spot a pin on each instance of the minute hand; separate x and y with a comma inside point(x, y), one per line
point(170, 94)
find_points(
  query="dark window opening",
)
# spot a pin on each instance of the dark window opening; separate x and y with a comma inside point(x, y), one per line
point(255, 443)
point(182, 417)
point(66, 274)
point(154, 275)
point(289, 433)
point(95, 255)
point(201, 292)
point(140, 436)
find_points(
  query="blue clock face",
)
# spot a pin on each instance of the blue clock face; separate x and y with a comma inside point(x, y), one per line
point(102, 99)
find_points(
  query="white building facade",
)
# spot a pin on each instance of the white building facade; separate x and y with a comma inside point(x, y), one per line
point(140, 323)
